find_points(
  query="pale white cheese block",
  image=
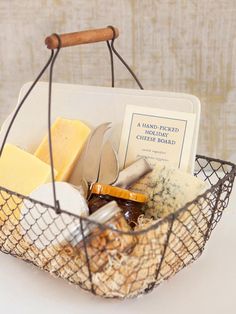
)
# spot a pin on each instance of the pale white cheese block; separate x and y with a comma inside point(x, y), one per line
point(41, 225)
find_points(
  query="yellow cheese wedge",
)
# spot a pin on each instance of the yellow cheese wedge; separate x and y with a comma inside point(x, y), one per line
point(68, 138)
point(20, 172)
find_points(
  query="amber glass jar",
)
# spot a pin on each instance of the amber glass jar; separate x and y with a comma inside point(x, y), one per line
point(131, 203)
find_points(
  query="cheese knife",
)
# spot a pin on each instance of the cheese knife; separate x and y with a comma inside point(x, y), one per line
point(109, 165)
point(92, 157)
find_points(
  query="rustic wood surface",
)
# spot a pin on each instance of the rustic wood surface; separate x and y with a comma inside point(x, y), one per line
point(175, 45)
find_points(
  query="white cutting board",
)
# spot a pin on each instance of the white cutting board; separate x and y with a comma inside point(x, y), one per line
point(93, 105)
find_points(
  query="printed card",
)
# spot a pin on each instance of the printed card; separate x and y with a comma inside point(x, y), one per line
point(157, 135)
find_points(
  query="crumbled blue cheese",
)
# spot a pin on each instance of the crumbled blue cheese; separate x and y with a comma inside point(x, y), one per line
point(168, 189)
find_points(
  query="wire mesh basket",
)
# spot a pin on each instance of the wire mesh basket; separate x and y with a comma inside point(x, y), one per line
point(115, 263)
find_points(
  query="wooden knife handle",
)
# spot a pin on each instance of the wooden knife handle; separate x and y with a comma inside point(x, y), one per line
point(84, 37)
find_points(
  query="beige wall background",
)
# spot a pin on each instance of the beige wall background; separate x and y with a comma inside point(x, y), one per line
point(173, 45)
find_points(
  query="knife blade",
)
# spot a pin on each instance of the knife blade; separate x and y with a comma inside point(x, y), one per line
point(92, 156)
point(87, 169)
point(109, 165)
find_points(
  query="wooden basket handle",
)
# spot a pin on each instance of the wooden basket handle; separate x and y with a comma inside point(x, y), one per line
point(84, 37)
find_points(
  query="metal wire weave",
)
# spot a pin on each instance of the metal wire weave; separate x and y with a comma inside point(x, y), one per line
point(113, 263)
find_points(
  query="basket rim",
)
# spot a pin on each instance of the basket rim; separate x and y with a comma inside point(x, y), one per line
point(159, 222)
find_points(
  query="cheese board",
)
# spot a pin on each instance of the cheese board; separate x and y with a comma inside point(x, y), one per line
point(86, 102)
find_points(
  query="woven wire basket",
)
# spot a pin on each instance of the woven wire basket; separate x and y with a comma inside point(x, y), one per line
point(113, 263)
point(122, 264)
